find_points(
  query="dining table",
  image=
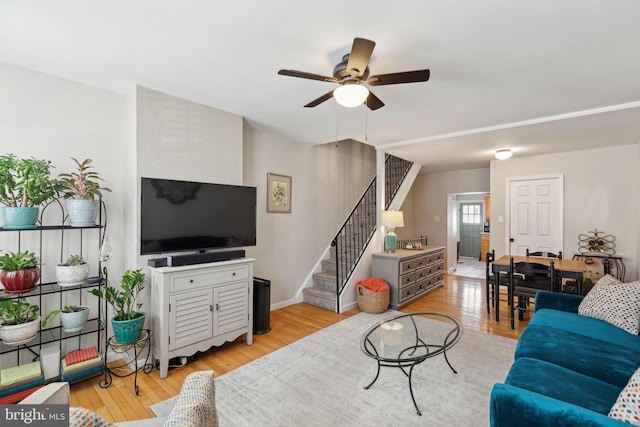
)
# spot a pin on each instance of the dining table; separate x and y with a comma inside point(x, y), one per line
point(573, 269)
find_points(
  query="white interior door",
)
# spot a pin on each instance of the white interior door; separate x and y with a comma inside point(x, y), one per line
point(536, 211)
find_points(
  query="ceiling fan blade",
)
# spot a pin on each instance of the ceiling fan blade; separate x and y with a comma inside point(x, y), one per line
point(397, 78)
point(320, 100)
point(304, 75)
point(373, 102)
point(359, 57)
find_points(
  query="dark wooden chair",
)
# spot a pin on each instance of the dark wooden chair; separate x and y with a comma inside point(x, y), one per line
point(525, 280)
point(545, 254)
point(493, 295)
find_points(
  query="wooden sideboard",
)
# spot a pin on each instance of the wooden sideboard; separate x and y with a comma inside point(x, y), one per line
point(410, 273)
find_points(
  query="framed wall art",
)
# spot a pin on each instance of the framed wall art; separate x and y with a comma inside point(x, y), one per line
point(278, 193)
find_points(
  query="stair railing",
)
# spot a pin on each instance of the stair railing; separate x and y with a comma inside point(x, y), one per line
point(356, 232)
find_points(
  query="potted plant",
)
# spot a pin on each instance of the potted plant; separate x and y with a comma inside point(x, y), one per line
point(25, 184)
point(72, 317)
point(19, 321)
point(72, 272)
point(19, 272)
point(81, 189)
point(127, 321)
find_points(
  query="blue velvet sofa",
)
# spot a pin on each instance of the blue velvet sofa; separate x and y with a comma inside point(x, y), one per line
point(568, 370)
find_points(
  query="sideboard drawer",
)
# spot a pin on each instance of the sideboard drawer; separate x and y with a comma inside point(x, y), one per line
point(191, 280)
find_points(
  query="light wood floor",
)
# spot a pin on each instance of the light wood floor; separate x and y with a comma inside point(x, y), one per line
point(461, 297)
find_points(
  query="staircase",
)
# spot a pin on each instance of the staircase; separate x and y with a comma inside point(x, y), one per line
point(352, 239)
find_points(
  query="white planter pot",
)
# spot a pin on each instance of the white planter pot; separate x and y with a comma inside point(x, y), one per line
point(72, 275)
point(75, 321)
point(20, 334)
point(82, 213)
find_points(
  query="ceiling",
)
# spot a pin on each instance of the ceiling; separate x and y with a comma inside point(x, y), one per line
point(535, 76)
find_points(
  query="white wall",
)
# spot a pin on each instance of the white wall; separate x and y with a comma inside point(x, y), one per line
point(429, 200)
point(327, 181)
point(55, 119)
point(601, 192)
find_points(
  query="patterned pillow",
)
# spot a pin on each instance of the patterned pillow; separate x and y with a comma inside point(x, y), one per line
point(196, 405)
point(81, 417)
point(627, 406)
point(614, 302)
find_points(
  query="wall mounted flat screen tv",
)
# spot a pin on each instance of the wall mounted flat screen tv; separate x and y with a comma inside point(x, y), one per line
point(195, 216)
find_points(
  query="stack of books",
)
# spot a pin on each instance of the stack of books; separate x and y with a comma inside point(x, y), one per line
point(80, 364)
point(18, 381)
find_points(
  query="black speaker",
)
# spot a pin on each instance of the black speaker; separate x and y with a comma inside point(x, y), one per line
point(157, 262)
point(178, 260)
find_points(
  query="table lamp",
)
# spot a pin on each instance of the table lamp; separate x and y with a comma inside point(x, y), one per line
point(391, 220)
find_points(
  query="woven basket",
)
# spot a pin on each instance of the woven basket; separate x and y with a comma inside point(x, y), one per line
point(372, 302)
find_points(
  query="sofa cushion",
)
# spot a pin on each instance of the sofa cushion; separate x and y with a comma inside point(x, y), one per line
point(196, 405)
point(562, 384)
point(614, 302)
point(587, 326)
point(627, 405)
point(603, 360)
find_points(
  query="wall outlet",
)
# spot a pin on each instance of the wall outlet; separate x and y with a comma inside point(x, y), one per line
point(436, 218)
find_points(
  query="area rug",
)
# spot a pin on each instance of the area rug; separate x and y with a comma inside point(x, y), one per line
point(320, 379)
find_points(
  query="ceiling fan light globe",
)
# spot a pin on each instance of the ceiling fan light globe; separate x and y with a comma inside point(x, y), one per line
point(503, 154)
point(351, 95)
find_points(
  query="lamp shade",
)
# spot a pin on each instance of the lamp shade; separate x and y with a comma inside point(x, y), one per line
point(392, 219)
point(503, 154)
point(350, 95)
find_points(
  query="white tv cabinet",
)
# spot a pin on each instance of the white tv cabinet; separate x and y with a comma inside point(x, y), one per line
point(195, 307)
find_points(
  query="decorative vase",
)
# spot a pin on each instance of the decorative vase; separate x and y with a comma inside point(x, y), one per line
point(128, 331)
point(82, 213)
point(19, 334)
point(18, 218)
point(71, 275)
point(74, 321)
point(20, 281)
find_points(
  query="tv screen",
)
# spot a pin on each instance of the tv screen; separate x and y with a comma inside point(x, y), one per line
point(195, 216)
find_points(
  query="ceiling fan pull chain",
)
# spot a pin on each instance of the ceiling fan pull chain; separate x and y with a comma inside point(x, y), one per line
point(366, 123)
point(336, 110)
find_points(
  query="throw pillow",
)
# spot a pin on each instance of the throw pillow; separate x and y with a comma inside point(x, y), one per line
point(196, 404)
point(614, 302)
point(627, 406)
point(82, 417)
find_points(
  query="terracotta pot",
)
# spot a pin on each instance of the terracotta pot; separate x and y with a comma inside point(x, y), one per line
point(20, 281)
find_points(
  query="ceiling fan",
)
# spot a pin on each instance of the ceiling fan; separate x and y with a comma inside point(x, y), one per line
point(352, 74)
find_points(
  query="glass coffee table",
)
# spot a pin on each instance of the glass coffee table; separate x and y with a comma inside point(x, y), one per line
point(406, 340)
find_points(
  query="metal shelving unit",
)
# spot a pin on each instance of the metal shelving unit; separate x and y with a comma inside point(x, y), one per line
point(53, 236)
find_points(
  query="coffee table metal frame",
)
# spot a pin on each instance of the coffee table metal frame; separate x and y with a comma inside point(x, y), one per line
point(408, 358)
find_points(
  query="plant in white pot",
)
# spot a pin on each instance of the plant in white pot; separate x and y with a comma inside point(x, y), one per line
point(25, 184)
point(127, 321)
point(72, 317)
point(74, 271)
point(81, 189)
point(19, 321)
point(19, 272)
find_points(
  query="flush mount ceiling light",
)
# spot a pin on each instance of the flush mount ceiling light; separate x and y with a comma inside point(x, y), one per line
point(503, 154)
point(351, 95)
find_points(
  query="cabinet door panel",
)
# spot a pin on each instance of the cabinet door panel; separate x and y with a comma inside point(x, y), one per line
point(232, 307)
point(190, 318)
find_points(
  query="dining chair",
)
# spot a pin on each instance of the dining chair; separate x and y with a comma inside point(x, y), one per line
point(525, 280)
point(494, 295)
point(545, 254)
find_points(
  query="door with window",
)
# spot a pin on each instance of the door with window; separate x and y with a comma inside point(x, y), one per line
point(470, 227)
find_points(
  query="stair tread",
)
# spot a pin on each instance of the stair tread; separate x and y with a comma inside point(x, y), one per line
point(318, 291)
